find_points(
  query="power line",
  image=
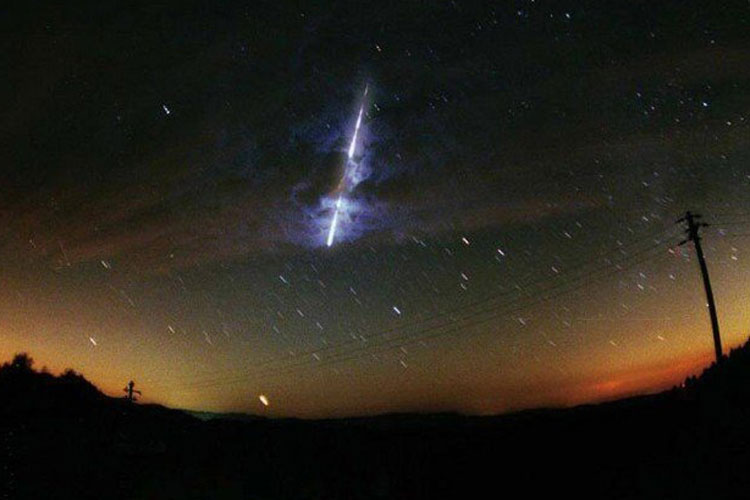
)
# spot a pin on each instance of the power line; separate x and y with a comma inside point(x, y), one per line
point(305, 357)
point(428, 332)
point(391, 344)
point(387, 345)
point(524, 288)
point(654, 235)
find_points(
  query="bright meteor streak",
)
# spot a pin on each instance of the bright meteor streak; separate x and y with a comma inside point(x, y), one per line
point(356, 132)
point(334, 222)
point(349, 162)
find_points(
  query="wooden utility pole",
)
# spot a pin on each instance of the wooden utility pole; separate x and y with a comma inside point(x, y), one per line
point(692, 233)
point(131, 392)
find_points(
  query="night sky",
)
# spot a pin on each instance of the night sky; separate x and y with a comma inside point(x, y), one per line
point(507, 236)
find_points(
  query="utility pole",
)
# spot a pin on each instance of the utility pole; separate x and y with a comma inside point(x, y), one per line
point(130, 392)
point(692, 235)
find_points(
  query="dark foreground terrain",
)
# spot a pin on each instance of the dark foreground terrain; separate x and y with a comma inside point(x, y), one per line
point(61, 438)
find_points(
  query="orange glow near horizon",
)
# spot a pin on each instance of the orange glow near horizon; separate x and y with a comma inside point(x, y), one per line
point(598, 378)
point(635, 332)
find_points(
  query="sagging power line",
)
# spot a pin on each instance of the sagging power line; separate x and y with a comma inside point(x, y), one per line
point(389, 340)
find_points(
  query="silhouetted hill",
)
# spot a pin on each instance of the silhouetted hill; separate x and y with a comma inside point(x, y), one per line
point(25, 390)
point(62, 438)
point(728, 381)
point(210, 415)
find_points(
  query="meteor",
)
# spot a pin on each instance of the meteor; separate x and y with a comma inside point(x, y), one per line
point(343, 187)
point(334, 223)
point(356, 132)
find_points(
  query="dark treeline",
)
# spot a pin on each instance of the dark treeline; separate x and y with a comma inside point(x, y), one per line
point(62, 438)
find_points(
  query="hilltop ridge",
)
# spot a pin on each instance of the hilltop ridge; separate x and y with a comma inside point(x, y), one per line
point(60, 433)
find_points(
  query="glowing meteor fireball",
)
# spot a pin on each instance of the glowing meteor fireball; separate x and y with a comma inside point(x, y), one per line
point(343, 186)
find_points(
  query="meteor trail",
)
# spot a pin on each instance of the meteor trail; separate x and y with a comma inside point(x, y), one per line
point(356, 132)
point(334, 222)
point(343, 187)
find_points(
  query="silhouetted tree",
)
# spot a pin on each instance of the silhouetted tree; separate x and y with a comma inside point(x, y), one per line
point(22, 364)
